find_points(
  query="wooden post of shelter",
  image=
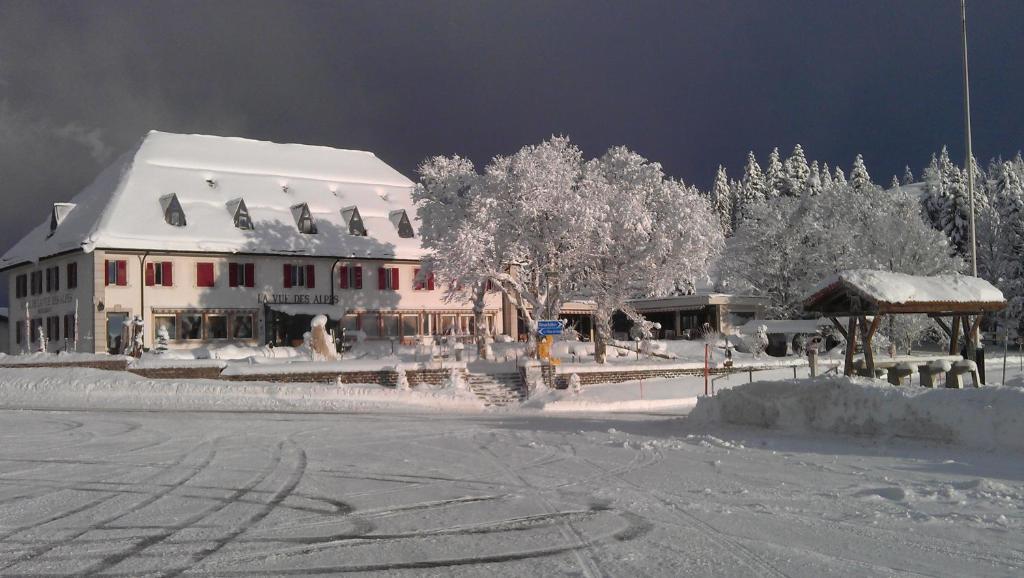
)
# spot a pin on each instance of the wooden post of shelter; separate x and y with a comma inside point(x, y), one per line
point(954, 336)
point(851, 345)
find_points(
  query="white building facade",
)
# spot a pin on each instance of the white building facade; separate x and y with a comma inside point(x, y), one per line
point(219, 240)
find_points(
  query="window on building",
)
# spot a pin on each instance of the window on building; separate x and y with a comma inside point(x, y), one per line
point(49, 279)
point(370, 324)
point(191, 326)
point(241, 326)
point(448, 324)
point(299, 276)
point(410, 325)
point(303, 219)
point(21, 286)
point(34, 326)
point(69, 326)
point(53, 328)
point(387, 278)
point(19, 330)
point(354, 221)
point(392, 325)
point(160, 273)
point(37, 282)
point(204, 275)
point(116, 272)
point(72, 274)
point(350, 277)
point(167, 323)
point(350, 323)
point(240, 214)
point(423, 281)
point(241, 274)
point(216, 326)
point(401, 221)
point(173, 213)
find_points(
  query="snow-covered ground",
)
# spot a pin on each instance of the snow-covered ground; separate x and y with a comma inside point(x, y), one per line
point(151, 493)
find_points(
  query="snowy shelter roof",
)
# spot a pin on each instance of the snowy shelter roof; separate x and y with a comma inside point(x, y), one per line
point(867, 291)
point(123, 207)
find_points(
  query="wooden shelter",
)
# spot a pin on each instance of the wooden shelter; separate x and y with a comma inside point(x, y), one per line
point(865, 296)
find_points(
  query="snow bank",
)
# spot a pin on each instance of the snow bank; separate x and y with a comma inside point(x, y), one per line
point(61, 357)
point(989, 417)
point(59, 388)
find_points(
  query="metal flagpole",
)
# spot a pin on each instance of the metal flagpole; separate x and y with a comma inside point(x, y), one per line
point(967, 136)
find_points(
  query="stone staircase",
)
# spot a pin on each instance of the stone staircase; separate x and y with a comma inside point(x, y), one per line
point(497, 389)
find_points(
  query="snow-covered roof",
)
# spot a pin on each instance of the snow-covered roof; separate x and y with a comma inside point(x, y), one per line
point(902, 292)
point(785, 325)
point(122, 208)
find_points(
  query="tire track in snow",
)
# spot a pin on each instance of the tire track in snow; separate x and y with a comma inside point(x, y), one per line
point(101, 524)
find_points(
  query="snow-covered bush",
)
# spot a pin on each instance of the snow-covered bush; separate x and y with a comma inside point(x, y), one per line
point(401, 379)
point(574, 384)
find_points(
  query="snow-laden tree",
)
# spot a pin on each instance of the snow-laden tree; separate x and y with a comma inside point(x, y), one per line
point(894, 183)
point(908, 175)
point(754, 189)
point(796, 173)
point(1003, 244)
point(826, 177)
point(455, 227)
point(859, 177)
point(638, 245)
point(786, 248)
point(721, 200)
point(839, 178)
point(814, 181)
point(775, 175)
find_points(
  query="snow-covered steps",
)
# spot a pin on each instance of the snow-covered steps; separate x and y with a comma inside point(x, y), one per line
point(498, 389)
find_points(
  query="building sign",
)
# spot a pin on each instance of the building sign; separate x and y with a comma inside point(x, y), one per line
point(45, 303)
point(297, 299)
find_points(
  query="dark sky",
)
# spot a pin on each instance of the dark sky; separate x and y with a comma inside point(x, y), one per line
point(689, 83)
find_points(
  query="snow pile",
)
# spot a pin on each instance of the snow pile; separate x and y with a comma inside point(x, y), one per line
point(634, 396)
point(990, 417)
point(60, 357)
point(59, 388)
point(889, 287)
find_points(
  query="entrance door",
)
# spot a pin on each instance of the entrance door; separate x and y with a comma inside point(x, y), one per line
point(115, 331)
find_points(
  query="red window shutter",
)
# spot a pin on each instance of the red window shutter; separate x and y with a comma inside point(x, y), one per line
point(311, 276)
point(232, 274)
point(150, 275)
point(122, 272)
point(106, 272)
point(382, 280)
point(287, 275)
point(417, 283)
point(343, 279)
point(357, 278)
point(168, 273)
point(430, 281)
point(394, 278)
point(204, 274)
point(250, 275)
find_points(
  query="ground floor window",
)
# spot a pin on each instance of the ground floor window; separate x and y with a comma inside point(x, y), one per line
point(391, 325)
point(205, 325)
point(410, 325)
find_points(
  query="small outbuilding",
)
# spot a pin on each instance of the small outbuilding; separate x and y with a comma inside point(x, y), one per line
point(865, 296)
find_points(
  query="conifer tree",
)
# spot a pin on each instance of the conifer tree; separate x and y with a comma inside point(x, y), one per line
point(859, 177)
point(796, 172)
point(908, 177)
point(839, 180)
point(774, 175)
point(753, 189)
point(721, 200)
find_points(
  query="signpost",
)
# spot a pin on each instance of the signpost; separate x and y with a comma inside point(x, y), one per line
point(549, 327)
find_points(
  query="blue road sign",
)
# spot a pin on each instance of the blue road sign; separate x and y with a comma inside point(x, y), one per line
point(549, 327)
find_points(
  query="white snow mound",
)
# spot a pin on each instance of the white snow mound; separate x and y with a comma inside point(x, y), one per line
point(989, 417)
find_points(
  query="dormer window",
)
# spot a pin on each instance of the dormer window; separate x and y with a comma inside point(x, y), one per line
point(303, 219)
point(401, 222)
point(60, 210)
point(354, 221)
point(173, 213)
point(240, 214)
